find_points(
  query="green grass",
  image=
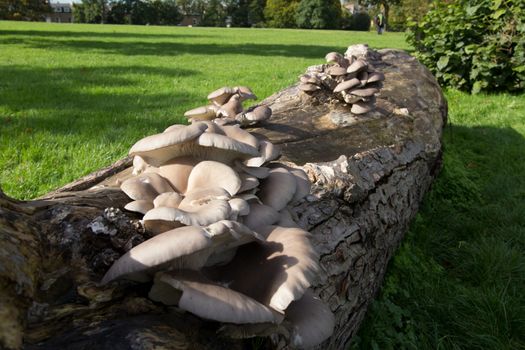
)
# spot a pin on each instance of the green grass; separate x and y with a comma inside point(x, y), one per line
point(458, 280)
point(73, 98)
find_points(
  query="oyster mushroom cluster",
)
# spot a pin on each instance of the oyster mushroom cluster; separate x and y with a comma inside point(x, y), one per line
point(224, 245)
point(226, 106)
point(349, 78)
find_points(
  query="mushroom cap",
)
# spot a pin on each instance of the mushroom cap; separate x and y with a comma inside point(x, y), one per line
point(301, 179)
point(212, 301)
point(357, 66)
point(245, 93)
point(363, 77)
point(139, 165)
point(157, 149)
point(309, 79)
point(167, 199)
point(248, 182)
point(202, 195)
point(231, 108)
point(177, 170)
point(161, 249)
point(206, 214)
point(336, 71)
point(312, 321)
point(220, 96)
point(259, 172)
point(268, 152)
point(139, 206)
point(278, 189)
point(145, 186)
point(202, 113)
point(286, 262)
point(227, 149)
point(241, 135)
point(258, 114)
point(308, 87)
point(211, 172)
point(335, 57)
point(361, 107)
point(367, 92)
point(260, 216)
point(239, 206)
point(375, 77)
point(347, 84)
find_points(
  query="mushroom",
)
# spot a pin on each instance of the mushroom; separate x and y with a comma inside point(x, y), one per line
point(177, 171)
point(157, 149)
point(241, 135)
point(202, 113)
point(278, 188)
point(286, 262)
point(312, 321)
point(308, 87)
point(361, 107)
point(268, 152)
point(230, 108)
point(260, 216)
point(245, 93)
point(220, 96)
point(347, 84)
point(210, 300)
point(364, 92)
point(146, 186)
point(203, 215)
point(255, 115)
point(166, 199)
point(139, 206)
point(211, 172)
point(202, 195)
point(357, 66)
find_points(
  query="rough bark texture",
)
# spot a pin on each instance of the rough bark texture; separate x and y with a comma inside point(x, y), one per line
point(369, 173)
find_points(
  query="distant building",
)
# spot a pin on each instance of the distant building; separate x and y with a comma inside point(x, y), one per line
point(190, 20)
point(62, 13)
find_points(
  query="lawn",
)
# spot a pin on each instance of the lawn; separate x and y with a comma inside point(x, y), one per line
point(73, 98)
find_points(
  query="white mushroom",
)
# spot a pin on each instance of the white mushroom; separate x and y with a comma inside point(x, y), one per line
point(211, 172)
point(202, 113)
point(145, 186)
point(139, 206)
point(231, 108)
point(278, 189)
point(312, 321)
point(220, 96)
point(177, 171)
point(167, 199)
point(209, 300)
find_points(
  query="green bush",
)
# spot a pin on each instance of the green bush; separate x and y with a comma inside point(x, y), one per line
point(473, 45)
point(358, 21)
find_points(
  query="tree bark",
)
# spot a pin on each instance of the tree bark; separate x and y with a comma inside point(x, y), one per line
point(370, 174)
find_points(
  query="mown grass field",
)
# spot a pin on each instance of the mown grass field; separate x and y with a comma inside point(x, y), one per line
point(73, 98)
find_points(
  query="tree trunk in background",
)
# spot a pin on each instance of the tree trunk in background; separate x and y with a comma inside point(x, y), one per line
point(369, 173)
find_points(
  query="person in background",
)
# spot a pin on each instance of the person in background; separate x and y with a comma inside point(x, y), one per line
point(380, 23)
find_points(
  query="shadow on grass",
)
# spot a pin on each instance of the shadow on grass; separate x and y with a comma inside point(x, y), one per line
point(457, 281)
point(101, 35)
point(33, 39)
point(70, 100)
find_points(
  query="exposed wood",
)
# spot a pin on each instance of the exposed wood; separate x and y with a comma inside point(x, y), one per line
point(370, 174)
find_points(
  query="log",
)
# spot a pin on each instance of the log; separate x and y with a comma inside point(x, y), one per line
point(369, 176)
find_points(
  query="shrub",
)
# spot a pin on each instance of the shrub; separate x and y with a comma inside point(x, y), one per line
point(473, 45)
point(358, 21)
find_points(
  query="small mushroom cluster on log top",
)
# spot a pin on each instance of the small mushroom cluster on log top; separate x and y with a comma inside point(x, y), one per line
point(350, 79)
point(226, 108)
point(223, 244)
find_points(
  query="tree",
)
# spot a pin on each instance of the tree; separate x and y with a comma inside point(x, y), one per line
point(214, 14)
point(158, 12)
point(90, 11)
point(319, 14)
point(24, 10)
point(385, 4)
point(281, 13)
point(407, 9)
point(256, 12)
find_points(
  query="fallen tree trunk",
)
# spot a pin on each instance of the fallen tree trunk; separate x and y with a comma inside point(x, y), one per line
point(369, 174)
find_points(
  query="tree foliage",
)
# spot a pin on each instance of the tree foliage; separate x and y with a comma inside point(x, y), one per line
point(473, 45)
point(407, 9)
point(384, 4)
point(24, 10)
point(281, 13)
point(157, 12)
point(318, 14)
